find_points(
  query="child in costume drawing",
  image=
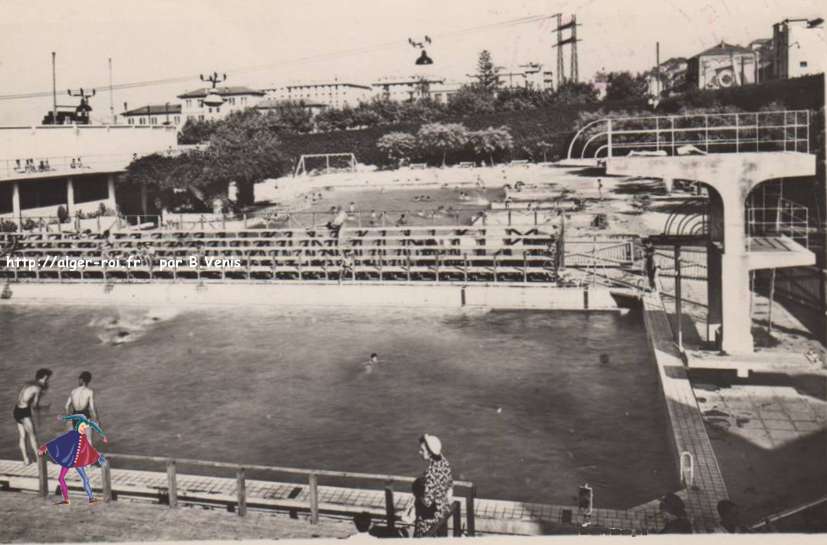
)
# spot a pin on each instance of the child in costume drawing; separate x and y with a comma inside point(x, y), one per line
point(73, 450)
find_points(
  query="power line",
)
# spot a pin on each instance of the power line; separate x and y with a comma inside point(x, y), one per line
point(309, 58)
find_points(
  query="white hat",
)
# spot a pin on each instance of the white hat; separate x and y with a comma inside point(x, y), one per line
point(433, 443)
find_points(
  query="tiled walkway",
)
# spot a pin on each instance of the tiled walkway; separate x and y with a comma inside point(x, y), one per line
point(688, 431)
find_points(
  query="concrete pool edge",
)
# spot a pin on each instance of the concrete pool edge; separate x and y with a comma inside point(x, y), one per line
point(492, 296)
point(687, 428)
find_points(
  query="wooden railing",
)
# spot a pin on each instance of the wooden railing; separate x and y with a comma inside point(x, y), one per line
point(312, 476)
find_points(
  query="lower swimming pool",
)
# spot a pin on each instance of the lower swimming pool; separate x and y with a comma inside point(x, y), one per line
point(521, 399)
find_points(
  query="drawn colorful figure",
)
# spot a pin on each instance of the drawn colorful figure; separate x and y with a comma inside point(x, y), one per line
point(73, 450)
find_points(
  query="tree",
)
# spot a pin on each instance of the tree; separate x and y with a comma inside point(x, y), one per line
point(442, 138)
point(196, 132)
point(471, 100)
point(575, 92)
point(490, 141)
point(398, 145)
point(625, 86)
point(486, 72)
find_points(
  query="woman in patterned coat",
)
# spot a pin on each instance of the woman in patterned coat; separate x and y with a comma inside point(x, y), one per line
point(438, 486)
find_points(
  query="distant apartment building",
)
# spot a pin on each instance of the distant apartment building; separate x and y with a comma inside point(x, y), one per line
point(798, 48)
point(668, 79)
point(525, 76)
point(335, 94)
point(722, 66)
point(401, 89)
point(208, 104)
point(153, 114)
point(442, 93)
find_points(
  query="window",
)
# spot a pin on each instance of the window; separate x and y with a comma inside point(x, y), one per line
point(189, 103)
point(200, 103)
point(141, 121)
point(231, 100)
point(177, 119)
point(201, 117)
point(130, 121)
point(210, 109)
point(803, 64)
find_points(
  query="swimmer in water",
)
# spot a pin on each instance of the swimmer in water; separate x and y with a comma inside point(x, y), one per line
point(371, 363)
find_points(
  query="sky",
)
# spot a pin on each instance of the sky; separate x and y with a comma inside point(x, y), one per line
point(261, 43)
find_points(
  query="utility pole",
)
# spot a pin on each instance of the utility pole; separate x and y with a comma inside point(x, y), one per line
point(214, 78)
point(657, 70)
point(84, 108)
point(54, 91)
point(571, 41)
point(111, 97)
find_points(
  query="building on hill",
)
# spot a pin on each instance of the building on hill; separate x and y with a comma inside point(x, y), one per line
point(525, 76)
point(206, 104)
point(672, 76)
point(334, 94)
point(400, 89)
point(153, 114)
point(799, 48)
point(764, 49)
point(724, 65)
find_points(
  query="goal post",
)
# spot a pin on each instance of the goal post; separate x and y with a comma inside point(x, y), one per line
point(312, 162)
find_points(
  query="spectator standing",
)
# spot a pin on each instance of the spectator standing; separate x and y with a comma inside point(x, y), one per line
point(437, 496)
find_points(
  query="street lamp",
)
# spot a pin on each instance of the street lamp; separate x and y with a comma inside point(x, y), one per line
point(166, 111)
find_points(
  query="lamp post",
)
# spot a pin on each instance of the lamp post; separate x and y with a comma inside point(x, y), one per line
point(166, 111)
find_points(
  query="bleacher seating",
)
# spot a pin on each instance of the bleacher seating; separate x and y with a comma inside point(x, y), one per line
point(409, 253)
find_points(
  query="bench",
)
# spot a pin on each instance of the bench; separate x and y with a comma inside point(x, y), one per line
point(419, 165)
point(466, 164)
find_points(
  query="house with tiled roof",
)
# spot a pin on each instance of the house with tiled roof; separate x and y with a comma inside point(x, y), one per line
point(207, 104)
point(721, 66)
point(153, 114)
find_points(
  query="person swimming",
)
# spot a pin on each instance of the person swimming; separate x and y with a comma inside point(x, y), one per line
point(371, 364)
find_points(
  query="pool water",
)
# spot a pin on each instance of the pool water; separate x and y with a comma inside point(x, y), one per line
point(520, 399)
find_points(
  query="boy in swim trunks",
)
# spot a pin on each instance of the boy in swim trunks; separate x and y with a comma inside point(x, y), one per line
point(82, 398)
point(27, 398)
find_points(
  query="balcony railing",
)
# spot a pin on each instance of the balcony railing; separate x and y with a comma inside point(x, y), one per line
point(693, 134)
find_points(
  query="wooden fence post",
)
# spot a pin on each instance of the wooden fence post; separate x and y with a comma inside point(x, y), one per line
point(172, 484)
point(457, 516)
point(42, 477)
point(241, 489)
point(390, 511)
point(469, 511)
point(313, 483)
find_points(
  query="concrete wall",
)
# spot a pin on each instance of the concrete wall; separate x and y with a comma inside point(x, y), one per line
point(107, 147)
point(306, 294)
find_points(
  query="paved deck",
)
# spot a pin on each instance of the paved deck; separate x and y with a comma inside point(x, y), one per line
point(492, 516)
point(688, 430)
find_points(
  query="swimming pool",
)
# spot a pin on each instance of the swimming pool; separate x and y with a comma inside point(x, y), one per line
point(521, 400)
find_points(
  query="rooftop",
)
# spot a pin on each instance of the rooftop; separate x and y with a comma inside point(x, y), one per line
point(272, 104)
point(724, 48)
point(221, 91)
point(154, 109)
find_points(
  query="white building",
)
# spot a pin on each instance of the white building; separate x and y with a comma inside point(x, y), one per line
point(335, 94)
point(441, 93)
point(71, 166)
point(799, 48)
point(401, 89)
point(525, 76)
point(208, 104)
point(154, 114)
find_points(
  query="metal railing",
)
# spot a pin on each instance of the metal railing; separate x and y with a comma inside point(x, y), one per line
point(312, 477)
point(786, 218)
point(68, 165)
point(787, 130)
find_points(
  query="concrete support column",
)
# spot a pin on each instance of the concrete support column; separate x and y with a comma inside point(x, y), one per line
point(15, 203)
point(669, 183)
point(70, 196)
point(110, 192)
point(735, 309)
